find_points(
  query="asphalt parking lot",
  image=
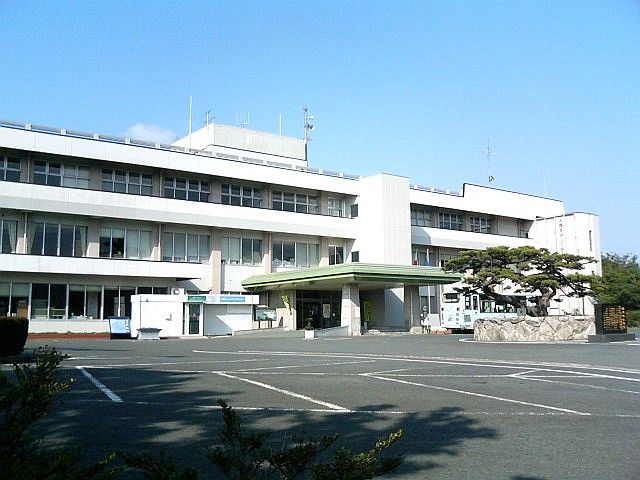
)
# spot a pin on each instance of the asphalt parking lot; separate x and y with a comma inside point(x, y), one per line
point(469, 410)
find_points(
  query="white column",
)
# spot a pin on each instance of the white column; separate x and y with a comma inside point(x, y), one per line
point(350, 315)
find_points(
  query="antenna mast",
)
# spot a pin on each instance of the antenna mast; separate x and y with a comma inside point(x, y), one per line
point(309, 126)
point(489, 175)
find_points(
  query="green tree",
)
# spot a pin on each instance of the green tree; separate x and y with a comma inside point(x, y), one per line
point(620, 284)
point(513, 275)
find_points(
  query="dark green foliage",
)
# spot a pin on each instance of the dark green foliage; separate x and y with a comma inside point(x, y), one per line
point(25, 399)
point(247, 456)
point(633, 318)
point(509, 274)
point(620, 284)
point(161, 467)
point(13, 335)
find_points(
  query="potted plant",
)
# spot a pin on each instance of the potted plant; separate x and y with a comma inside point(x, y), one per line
point(309, 331)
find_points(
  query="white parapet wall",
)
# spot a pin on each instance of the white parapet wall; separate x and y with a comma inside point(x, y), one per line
point(534, 329)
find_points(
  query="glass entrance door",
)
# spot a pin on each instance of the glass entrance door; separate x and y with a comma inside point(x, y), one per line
point(192, 319)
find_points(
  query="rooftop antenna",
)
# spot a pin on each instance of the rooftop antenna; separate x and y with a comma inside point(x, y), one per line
point(309, 126)
point(489, 175)
point(241, 120)
point(190, 117)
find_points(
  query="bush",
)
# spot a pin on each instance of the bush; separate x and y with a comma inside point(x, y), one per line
point(13, 335)
point(633, 318)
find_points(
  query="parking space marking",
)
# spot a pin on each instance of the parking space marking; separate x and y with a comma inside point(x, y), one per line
point(286, 392)
point(310, 365)
point(100, 386)
point(474, 394)
point(596, 387)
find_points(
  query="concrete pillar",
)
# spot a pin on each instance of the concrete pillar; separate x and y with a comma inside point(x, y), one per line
point(412, 306)
point(215, 261)
point(350, 315)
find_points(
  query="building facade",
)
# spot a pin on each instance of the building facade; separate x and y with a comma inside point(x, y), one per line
point(230, 216)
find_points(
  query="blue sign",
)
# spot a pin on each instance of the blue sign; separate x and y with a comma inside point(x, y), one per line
point(120, 326)
point(233, 298)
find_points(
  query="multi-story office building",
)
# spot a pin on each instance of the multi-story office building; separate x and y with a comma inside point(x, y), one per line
point(227, 219)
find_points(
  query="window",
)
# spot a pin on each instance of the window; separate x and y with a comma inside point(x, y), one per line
point(184, 189)
point(48, 301)
point(295, 202)
point(241, 196)
point(523, 231)
point(185, 247)
point(422, 258)
point(85, 301)
point(420, 217)
point(47, 173)
point(125, 243)
point(480, 224)
point(355, 256)
point(450, 221)
point(245, 251)
point(298, 254)
point(8, 236)
point(354, 210)
point(75, 176)
point(58, 240)
point(336, 255)
point(336, 207)
point(121, 181)
point(10, 168)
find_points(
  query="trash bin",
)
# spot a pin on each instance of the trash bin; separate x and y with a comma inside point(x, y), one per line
point(120, 327)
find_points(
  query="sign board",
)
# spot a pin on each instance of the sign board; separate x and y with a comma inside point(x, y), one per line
point(196, 298)
point(326, 310)
point(120, 327)
point(233, 299)
point(610, 319)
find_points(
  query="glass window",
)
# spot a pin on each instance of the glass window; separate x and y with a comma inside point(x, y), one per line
point(480, 224)
point(121, 181)
point(247, 251)
point(167, 247)
point(450, 221)
point(420, 217)
point(19, 299)
point(336, 255)
point(8, 235)
point(238, 195)
point(302, 255)
point(67, 240)
point(57, 301)
point(288, 254)
point(10, 168)
point(179, 247)
point(117, 243)
point(51, 232)
point(47, 173)
point(336, 207)
point(40, 300)
point(75, 176)
point(257, 251)
point(203, 249)
point(192, 248)
point(132, 244)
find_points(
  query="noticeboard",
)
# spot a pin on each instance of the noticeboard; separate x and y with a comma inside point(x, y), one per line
point(120, 327)
point(610, 319)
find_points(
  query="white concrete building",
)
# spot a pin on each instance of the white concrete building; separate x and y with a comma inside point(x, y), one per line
point(229, 217)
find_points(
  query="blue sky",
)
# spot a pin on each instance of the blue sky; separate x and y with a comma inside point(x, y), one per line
point(410, 88)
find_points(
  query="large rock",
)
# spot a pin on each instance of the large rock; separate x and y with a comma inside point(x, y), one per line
point(534, 329)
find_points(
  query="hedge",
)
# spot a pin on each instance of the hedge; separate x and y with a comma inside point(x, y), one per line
point(13, 335)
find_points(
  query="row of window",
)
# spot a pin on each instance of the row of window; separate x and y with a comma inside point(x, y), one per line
point(450, 221)
point(136, 183)
point(62, 301)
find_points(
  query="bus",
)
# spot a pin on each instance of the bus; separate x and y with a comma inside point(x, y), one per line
point(459, 312)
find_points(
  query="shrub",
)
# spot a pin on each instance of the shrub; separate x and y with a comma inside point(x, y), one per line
point(13, 335)
point(633, 318)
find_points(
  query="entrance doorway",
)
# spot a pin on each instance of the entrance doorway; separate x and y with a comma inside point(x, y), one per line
point(318, 309)
point(192, 319)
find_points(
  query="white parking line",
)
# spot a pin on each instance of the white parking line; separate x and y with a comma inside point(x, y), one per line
point(101, 386)
point(474, 394)
point(286, 392)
